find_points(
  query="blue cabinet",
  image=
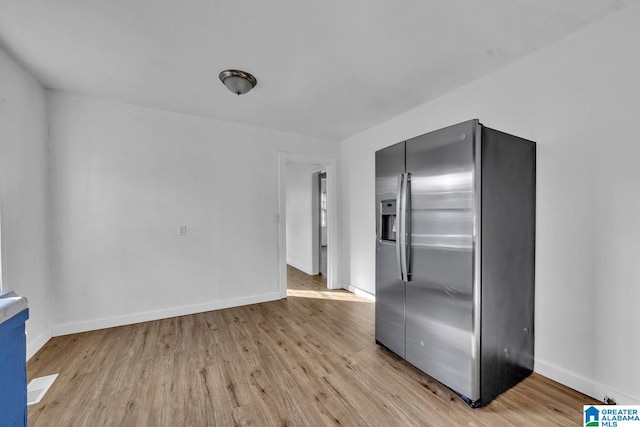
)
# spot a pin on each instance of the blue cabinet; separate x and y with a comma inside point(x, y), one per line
point(13, 348)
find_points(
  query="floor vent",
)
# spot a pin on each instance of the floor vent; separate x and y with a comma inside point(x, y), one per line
point(37, 387)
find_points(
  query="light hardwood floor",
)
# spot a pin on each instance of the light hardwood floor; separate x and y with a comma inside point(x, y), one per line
point(308, 360)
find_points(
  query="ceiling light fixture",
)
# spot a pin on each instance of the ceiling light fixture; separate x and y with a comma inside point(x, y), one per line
point(238, 82)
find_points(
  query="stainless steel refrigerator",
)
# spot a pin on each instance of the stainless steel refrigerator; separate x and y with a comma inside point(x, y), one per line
point(455, 214)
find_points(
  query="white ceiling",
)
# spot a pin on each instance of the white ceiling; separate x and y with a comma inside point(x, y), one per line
point(324, 68)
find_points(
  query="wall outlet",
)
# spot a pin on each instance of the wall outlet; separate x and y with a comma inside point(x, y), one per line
point(182, 230)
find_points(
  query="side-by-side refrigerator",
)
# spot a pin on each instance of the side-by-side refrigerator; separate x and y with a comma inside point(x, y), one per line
point(455, 214)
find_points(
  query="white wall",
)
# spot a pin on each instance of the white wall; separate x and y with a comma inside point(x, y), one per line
point(24, 199)
point(300, 224)
point(124, 178)
point(579, 100)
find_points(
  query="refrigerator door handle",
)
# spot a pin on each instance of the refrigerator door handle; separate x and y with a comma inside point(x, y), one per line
point(403, 228)
point(407, 227)
point(398, 225)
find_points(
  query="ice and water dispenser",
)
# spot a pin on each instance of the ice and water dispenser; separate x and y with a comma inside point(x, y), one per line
point(388, 220)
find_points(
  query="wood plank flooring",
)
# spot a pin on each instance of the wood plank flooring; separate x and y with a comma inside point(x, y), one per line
point(309, 360)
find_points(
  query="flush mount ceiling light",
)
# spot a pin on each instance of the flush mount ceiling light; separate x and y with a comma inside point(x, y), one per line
point(238, 82)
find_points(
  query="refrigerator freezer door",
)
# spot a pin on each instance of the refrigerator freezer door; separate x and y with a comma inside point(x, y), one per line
point(389, 286)
point(440, 295)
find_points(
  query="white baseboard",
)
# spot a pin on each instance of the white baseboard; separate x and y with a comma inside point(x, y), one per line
point(359, 292)
point(297, 266)
point(110, 322)
point(582, 384)
point(35, 344)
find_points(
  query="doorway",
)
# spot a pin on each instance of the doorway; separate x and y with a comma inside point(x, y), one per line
point(322, 223)
point(307, 223)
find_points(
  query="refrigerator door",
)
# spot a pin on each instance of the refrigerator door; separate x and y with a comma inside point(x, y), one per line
point(440, 294)
point(389, 285)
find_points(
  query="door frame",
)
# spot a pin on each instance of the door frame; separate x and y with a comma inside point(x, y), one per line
point(330, 166)
point(317, 218)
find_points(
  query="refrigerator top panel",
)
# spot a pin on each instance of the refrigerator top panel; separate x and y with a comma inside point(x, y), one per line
point(442, 171)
